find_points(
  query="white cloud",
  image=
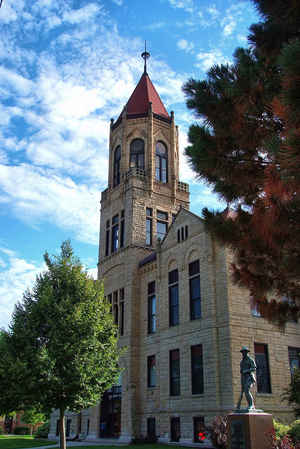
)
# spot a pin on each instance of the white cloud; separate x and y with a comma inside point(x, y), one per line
point(183, 44)
point(36, 195)
point(20, 84)
point(186, 5)
point(213, 11)
point(118, 2)
point(80, 15)
point(16, 275)
point(155, 26)
point(208, 59)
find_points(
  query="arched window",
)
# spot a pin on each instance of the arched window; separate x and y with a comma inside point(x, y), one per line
point(161, 162)
point(117, 159)
point(137, 154)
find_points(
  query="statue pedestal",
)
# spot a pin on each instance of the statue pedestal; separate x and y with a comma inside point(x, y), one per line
point(248, 429)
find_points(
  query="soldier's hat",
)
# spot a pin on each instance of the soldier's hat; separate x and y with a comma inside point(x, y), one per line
point(245, 349)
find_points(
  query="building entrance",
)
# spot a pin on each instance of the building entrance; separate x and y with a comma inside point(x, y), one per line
point(110, 413)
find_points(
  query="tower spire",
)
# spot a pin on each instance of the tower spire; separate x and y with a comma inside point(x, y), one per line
point(145, 55)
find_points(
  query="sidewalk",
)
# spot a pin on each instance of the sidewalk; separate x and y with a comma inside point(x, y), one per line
point(84, 443)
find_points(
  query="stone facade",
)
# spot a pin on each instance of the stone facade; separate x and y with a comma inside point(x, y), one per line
point(167, 349)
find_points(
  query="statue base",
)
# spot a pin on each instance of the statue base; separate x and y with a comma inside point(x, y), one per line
point(249, 429)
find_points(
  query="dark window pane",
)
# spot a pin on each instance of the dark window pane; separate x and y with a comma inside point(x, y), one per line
point(174, 373)
point(122, 233)
point(262, 368)
point(173, 276)
point(114, 238)
point(194, 268)
point(115, 219)
point(151, 287)
point(197, 369)
point(151, 431)
point(173, 305)
point(107, 243)
point(149, 212)
point(137, 153)
point(195, 298)
point(175, 429)
point(117, 158)
point(199, 429)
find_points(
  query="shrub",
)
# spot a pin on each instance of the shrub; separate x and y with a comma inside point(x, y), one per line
point(21, 430)
point(43, 430)
point(280, 429)
point(218, 432)
point(294, 431)
point(1, 431)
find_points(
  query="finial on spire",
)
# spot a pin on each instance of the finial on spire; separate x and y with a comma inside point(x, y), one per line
point(145, 55)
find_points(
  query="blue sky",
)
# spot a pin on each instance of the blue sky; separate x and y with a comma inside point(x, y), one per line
point(67, 67)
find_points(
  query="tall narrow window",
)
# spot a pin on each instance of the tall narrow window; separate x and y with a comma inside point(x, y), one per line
point(262, 368)
point(294, 359)
point(115, 234)
point(151, 308)
point(173, 298)
point(162, 224)
point(161, 162)
point(175, 429)
point(199, 429)
point(117, 159)
point(137, 154)
point(197, 369)
point(149, 217)
point(151, 371)
point(151, 430)
point(121, 323)
point(195, 295)
point(116, 307)
point(174, 373)
point(122, 229)
point(107, 238)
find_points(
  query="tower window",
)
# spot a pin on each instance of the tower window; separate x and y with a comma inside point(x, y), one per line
point(148, 226)
point(117, 159)
point(151, 308)
point(162, 224)
point(107, 237)
point(115, 234)
point(122, 229)
point(137, 154)
point(161, 162)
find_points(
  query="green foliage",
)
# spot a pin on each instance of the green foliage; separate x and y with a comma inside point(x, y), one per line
point(1, 431)
point(294, 431)
point(63, 337)
point(43, 431)
point(247, 148)
point(280, 429)
point(21, 430)
point(292, 393)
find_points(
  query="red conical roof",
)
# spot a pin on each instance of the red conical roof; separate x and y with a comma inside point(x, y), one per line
point(143, 94)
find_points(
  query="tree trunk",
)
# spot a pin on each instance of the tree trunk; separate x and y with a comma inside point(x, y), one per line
point(31, 429)
point(62, 430)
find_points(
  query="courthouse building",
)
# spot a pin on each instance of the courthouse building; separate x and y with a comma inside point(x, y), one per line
point(168, 280)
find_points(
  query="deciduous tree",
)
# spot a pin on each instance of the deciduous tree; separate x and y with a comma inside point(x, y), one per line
point(248, 150)
point(64, 337)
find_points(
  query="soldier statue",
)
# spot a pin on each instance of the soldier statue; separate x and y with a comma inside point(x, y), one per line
point(247, 369)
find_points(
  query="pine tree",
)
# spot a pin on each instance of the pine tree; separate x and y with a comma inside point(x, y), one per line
point(248, 149)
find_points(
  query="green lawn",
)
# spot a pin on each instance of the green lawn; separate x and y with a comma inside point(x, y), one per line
point(21, 441)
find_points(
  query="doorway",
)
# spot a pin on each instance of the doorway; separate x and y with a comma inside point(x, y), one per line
point(110, 413)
